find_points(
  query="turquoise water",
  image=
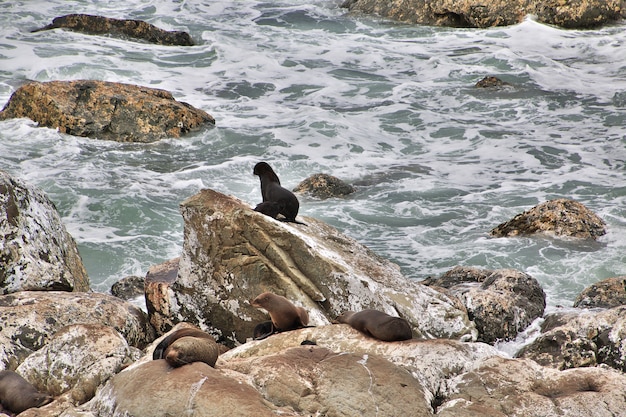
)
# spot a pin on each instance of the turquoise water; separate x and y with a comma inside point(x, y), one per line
point(308, 88)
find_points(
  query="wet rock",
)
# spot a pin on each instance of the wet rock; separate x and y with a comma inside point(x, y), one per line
point(559, 217)
point(36, 251)
point(137, 29)
point(491, 82)
point(77, 359)
point(502, 387)
point(501, 303)
point(581, 338)
point(324, 186)
point(608, 293)
point(154, 389)
point(481, 14)
point(231, 254)
point(30, 319)
point(128, 288)
point(105, 110)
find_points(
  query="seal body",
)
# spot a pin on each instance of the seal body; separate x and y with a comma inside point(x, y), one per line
point(378, 325)
point(284, 201)
point(187, 345)
point(17, 394)
point(285, 316)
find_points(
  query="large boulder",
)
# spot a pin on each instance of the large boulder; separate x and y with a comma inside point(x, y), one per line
point(232, 253)
point(481, 14)
point(324, 186)
point(130, 28)
point(502, 303)
point(78, 358)
point(502, 387)
point(560, 217)
point(607, 293)
point(30, 319)
point(105, 110)
point(36, 251)
point(581, 338)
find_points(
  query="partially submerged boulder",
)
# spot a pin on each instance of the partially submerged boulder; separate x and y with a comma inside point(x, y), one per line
point(560, 217)
point(324, 186)
point(36, 251)
point(105, 110)
point(137, 29)
point(502, 303)
point(231, 254)
point(30, 318)
point(607, 293)
point(582, 338)
point(581, 14)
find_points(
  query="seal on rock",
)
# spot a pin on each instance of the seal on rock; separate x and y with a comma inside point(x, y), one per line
point(282, 200)
point(17, 394)
point(187, 345)
point(285, 316)
point(378, 325)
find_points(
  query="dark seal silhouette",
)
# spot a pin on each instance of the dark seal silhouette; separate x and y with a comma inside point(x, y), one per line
point(17, 394)
point(276, 199)
point(284, 314)
point(185, 346)
point(378, 325)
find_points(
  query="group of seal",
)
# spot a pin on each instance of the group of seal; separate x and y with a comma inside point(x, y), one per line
point(283, 313)
point(187, 345)
point(17, 394)
point(276, 199)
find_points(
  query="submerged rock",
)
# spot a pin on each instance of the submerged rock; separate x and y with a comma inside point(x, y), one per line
point(231, 254)
point(580, 14)
point(137, 29)
point(324, 186)
point(36, 251)
point(105, 110)
point(502, 303)
point(608, 293)
point(561, 217)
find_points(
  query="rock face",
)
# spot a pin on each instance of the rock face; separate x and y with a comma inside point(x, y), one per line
point(559, 217)
point(30, 319)
point(581, 338)
point(137, 29)
point(502, 303)
point(128, 288)
point(502, 387)
point(105, 110)
point(608, 293)
point(324, 186)
point(232, 253)
point(481, 14)
point(36, 251)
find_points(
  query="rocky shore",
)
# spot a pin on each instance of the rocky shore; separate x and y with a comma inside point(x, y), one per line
point(93, 352)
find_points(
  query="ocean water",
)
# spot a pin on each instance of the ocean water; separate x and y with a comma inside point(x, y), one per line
point(309, 88)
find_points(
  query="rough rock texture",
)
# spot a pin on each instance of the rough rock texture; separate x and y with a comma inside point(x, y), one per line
point(128, 288)
point(481, 14)
point(324, 186)
point(36, 251)
point(154, 389)
point(581, 338)
point(29, 319)
point(608, 293)
point(159, 294)
point(521, 388)
point(137, 29)
point(78, 358)
point(502, 303)
point(105, 110)
point(433, 363)
point(232, 253)
point(559, 217)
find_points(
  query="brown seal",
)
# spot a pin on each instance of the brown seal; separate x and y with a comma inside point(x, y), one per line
point(285, 316)
point(17, 394)
point(187, 345)
point(377, 324)
point(281, 200)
